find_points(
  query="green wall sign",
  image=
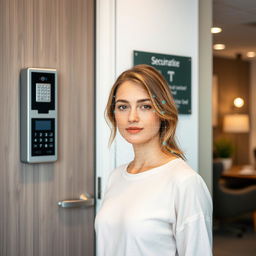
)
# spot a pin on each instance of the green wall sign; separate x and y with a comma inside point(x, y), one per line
point(177, 72)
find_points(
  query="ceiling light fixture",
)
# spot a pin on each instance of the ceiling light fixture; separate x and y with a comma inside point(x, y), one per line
point(216, 30)
point(251, 54)
point(219, 46)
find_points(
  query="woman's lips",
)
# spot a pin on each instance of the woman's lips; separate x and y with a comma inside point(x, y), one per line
point(133, 130)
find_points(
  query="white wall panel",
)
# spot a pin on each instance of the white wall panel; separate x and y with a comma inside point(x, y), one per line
point(163, 26)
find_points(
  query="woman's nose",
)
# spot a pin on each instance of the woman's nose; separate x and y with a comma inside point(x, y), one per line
point(133, 115)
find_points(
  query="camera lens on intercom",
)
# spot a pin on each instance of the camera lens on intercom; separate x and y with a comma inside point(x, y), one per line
point(43, 78)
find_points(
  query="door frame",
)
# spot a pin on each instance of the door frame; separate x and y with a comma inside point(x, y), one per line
point(105, 75)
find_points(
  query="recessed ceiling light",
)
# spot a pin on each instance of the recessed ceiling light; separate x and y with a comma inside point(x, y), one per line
point(251, 54)
point(219, 46)
point(216, 30)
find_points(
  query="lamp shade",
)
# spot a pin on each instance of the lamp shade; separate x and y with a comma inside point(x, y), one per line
point(236, 123)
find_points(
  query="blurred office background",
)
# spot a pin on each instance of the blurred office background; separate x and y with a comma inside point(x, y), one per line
point(234, 127)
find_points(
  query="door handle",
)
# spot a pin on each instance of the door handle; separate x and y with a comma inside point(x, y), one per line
point(85, 200)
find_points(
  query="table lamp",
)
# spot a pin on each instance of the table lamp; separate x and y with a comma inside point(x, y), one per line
point(236, 123)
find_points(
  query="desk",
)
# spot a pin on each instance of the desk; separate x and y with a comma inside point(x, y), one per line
point(235, 173)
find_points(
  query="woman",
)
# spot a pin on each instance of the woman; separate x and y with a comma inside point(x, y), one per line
point(156, 205)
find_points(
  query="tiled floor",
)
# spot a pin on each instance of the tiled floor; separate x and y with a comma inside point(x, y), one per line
point(228, 244)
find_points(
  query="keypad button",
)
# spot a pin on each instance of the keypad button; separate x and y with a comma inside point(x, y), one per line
point(51, 145)
point(40, 145)
point(40, 134)
point(35, 140)
point(51, 140)
point(46, 134)
point(51, 134)
point(35, 146)
point(43, 92)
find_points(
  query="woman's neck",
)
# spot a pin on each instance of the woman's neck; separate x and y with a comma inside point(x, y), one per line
point(148, 156)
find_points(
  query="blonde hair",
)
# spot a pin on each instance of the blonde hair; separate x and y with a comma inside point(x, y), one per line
point(161, 98)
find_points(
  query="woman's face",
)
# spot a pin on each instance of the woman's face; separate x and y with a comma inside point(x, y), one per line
point(135, 117)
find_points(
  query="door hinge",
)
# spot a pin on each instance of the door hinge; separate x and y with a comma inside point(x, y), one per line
point(99, 188)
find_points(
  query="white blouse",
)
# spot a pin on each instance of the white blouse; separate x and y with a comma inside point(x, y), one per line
point(165, 211)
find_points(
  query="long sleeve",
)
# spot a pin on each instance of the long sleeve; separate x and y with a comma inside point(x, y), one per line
point(193, 229)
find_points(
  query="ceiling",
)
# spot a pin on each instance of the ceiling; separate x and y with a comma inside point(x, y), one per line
point(237, 18)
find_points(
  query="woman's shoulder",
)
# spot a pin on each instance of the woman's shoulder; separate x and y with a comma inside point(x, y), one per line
point(182, 171)
point(189, 182)
point(118, 170)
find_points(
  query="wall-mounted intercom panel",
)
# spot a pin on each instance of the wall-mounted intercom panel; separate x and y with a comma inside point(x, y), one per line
point(38, 115)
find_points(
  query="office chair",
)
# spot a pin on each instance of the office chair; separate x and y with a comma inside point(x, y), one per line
point(228, 202)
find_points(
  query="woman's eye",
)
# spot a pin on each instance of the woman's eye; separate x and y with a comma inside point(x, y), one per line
point(146, 107)
point(122, 107)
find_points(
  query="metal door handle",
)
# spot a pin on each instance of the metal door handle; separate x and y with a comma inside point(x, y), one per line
point(85, 201)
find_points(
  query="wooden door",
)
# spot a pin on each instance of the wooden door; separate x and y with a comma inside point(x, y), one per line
point(47, 34)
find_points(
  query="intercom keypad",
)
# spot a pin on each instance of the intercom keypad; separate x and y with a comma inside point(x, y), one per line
point(43, 137)
point(43, 92)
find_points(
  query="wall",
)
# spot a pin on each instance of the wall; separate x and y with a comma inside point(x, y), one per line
point(165, 26)
point(233, 81)
point(140, 30)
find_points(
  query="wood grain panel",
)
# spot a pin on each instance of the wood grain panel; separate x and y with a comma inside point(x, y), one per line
point(233, 81)
point(51, 34)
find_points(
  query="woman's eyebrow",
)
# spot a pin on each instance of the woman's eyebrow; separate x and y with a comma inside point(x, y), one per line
point(138, 101)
